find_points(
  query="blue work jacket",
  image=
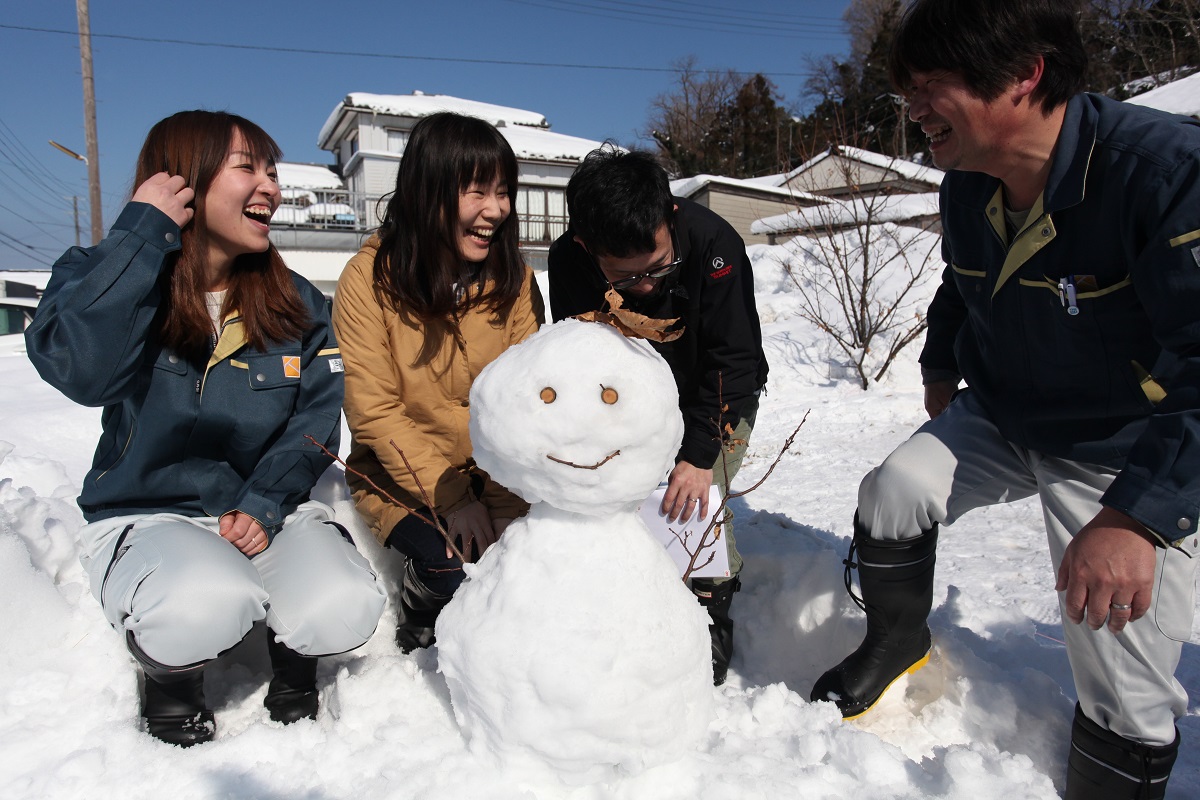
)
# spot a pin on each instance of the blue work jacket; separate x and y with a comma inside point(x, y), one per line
point(192, 439)
point(1080, 334)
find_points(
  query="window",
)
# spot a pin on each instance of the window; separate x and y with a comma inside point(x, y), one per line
point(542, 212)
point(397, 140)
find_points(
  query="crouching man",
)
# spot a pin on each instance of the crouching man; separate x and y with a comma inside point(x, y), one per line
point(671, 258)
point(1070, 305)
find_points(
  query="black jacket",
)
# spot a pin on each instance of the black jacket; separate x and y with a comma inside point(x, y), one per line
point(719, 358)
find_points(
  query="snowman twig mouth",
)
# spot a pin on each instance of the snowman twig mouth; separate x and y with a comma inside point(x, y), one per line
point(597, 465)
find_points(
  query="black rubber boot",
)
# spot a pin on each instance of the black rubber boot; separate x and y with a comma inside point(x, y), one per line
point(1104, 766)
point(419, 609)
point(292, 694)
point(896, 578)
point(716, 599)
point(174, 706)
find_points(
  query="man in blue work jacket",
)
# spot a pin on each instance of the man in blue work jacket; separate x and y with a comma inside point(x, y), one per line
point(1070, 305)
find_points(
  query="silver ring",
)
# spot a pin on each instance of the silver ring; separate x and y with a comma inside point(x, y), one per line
point(1120, 606)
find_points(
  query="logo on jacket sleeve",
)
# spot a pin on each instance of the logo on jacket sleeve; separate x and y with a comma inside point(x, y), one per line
point(719, 268)
point(291, 366)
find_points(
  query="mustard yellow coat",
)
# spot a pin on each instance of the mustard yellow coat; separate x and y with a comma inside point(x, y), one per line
point(423, 408)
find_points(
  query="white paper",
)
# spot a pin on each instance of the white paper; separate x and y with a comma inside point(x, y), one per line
point(683, 537)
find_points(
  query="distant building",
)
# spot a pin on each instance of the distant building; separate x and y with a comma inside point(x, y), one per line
point(19, 294)
point(329, 211)
point(856, 186)
point(741, 202)
point(841, 171)
point(908, 210)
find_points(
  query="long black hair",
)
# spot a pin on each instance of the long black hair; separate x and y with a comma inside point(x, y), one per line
point(418, 265)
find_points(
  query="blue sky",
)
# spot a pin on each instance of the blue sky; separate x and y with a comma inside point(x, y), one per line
point(436, 47)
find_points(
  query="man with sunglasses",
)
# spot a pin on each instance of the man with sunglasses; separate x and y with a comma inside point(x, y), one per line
point(671, 258)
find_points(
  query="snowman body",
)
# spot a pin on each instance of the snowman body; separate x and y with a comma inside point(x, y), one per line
point(574, 644)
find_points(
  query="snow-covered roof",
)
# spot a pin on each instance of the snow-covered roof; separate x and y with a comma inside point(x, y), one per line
point(419, 104)
point(686, 187)
point(534, 144)
point(768, 180)
point(307, 176)
point(1178, 97)
point(908, 169)
point(880, 208)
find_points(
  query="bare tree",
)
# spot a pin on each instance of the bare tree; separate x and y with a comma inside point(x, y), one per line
point(860, 276)
point(1147, 41)
point(720, 122)
point(683, 120)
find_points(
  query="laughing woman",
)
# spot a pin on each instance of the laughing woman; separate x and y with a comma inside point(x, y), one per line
point(430, 301)
point(212, 362)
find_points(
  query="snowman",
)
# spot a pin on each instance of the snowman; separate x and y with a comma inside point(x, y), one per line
point(574, 644)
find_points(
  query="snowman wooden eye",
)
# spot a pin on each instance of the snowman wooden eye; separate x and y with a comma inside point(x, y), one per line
point(548, 395)
point(609, 395)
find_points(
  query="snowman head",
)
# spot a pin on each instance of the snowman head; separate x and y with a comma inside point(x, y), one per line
point(578, 417)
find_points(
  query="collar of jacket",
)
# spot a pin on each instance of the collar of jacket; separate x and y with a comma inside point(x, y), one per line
point(231, 340)
point(1065, 187)
point(1068, 170)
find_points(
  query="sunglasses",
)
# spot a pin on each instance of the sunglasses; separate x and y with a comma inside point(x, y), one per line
point(653, 274)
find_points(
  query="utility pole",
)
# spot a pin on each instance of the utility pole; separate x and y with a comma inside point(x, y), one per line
point(75, 205)
point(89, 120)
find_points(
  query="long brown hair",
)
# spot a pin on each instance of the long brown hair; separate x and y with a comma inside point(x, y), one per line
point(418, 262)
point(195, 145)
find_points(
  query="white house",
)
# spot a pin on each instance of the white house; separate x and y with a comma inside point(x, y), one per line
point(328, 211)
point(367, 134)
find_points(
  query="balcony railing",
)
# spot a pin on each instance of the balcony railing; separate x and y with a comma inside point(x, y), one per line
point(357, 212)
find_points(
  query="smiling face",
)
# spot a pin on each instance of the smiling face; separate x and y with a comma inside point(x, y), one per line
point(578, 417)
point(238, 206)
point(482, 208)
point(965, 132)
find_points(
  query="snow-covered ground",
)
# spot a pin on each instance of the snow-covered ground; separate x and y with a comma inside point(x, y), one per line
point(988, 718)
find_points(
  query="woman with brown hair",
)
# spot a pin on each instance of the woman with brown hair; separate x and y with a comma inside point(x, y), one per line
point(427, 303)
point(213, 363)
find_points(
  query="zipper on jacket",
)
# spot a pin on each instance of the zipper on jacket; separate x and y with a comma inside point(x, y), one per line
point(128, 439)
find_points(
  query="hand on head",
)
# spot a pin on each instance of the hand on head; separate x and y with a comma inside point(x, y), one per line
point(170, 194)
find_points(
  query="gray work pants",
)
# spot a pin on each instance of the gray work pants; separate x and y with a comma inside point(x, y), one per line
point(959, 461)
point(188, 595)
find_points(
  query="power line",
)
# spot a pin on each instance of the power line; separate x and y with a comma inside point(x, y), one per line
point(29, 251)
point(391, 56)
point(33, 192)
point(31, 181)
point(721, 20)
point(8, 134)
point(36, 224)
point(27, 255)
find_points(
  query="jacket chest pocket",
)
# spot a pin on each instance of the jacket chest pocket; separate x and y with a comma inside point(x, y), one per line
point(1090, 334)
point(274, 383)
